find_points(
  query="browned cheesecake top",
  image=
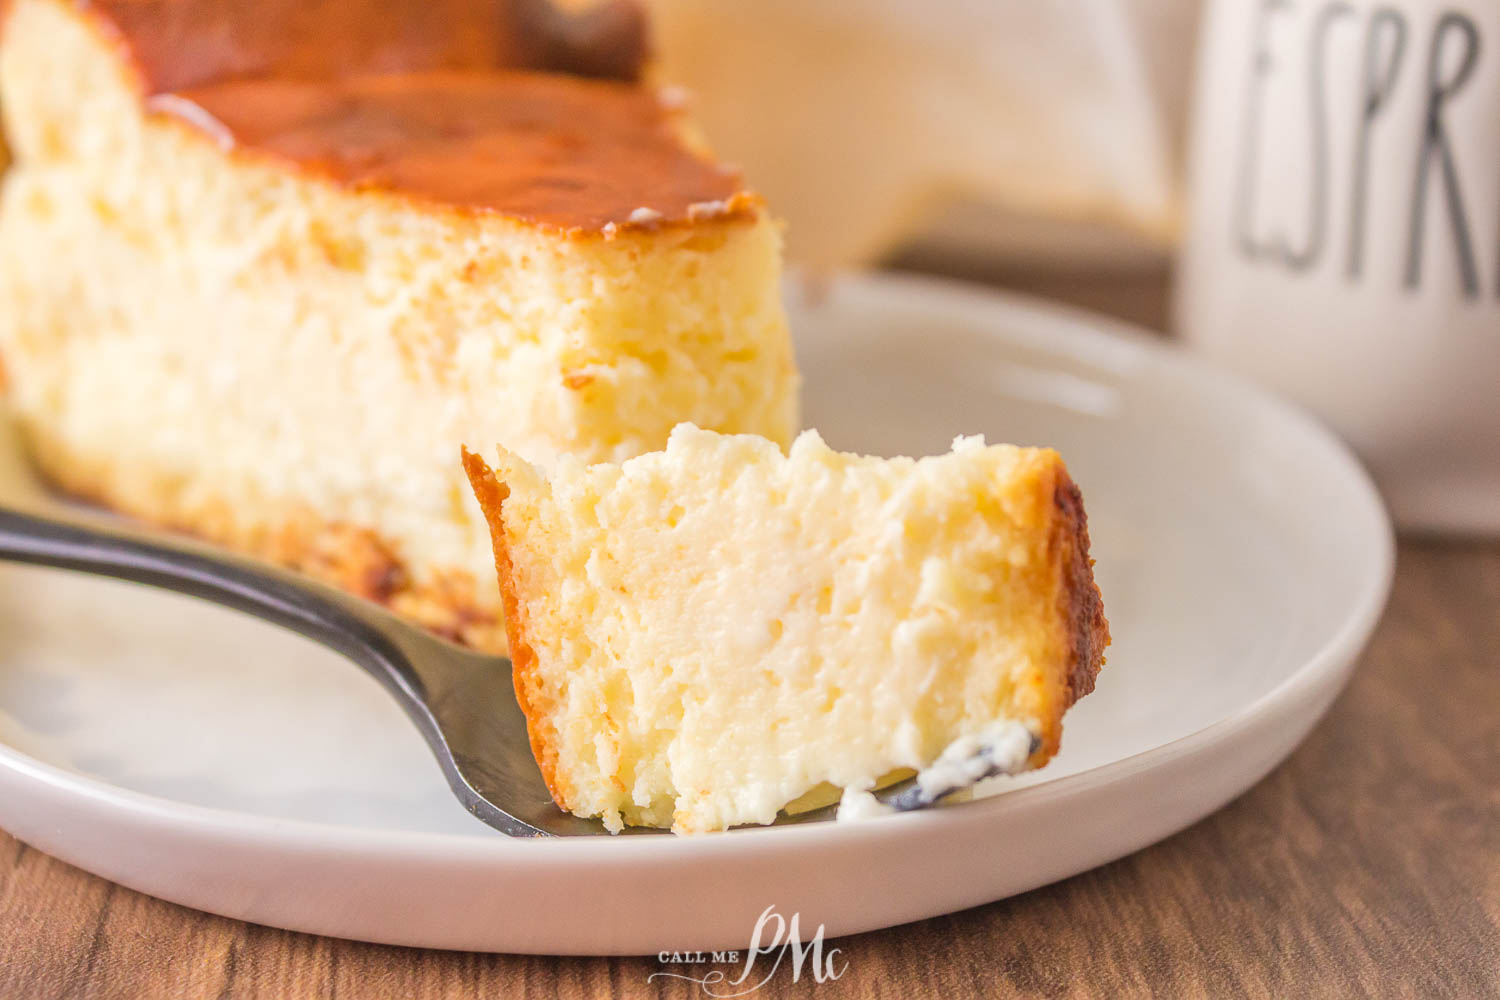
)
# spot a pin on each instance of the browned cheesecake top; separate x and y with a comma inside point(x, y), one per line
point(184, 43)
point(544, 148)
point(479, 104)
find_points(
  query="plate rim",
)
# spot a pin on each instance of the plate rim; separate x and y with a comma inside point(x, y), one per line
point(1082, 331)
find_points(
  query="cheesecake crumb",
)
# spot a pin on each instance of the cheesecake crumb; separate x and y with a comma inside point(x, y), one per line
point(860, 803)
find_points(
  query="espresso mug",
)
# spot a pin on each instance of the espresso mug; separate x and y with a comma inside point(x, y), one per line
point(1343, 232)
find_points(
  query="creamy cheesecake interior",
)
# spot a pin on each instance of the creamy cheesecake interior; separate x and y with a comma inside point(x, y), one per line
point(703, 634)
point(266, 267)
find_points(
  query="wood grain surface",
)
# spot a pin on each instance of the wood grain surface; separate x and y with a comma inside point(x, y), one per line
point(1368, 865)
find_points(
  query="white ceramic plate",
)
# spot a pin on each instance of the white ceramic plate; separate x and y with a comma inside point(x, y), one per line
point(208, 759)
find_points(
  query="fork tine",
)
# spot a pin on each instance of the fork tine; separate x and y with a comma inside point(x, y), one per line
point(946, 776)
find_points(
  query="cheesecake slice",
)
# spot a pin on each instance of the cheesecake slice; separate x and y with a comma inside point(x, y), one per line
point(703, 634)
point(265, 267)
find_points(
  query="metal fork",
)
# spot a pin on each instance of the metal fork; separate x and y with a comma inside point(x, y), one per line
point(463, 702)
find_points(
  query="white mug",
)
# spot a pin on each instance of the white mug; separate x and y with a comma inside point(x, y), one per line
point(1343, 235)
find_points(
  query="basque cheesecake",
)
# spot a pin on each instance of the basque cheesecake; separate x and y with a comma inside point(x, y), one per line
point(704, 634)
point(266, 266)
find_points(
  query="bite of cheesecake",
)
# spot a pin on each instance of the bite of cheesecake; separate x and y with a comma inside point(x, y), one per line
point(703, 634)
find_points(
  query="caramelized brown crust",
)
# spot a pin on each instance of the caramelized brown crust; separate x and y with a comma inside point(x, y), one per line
point(477, 105)
point(1080, 632)
point(1082, 609)
point(557, 151)
point(492, 494)
point(175, 44)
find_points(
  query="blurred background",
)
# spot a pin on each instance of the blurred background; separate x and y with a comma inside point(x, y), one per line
point(1024, 144)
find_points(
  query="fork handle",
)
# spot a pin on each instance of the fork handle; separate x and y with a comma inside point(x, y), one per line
point(361, 631)
point(426, 675)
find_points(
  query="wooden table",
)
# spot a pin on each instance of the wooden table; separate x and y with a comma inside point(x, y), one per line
point(1367, 865)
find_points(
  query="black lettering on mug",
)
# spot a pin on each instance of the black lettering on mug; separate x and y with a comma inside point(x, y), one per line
point(1436, 146)
point(1379, 81)
point(1381, 71)
point(1317, 103)
point(1260, 68)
